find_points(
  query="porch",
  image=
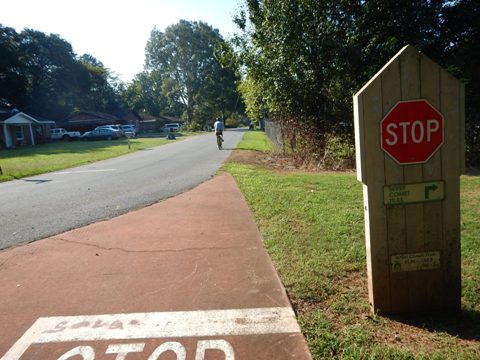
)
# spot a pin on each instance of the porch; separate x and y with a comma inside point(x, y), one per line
point(22, 130)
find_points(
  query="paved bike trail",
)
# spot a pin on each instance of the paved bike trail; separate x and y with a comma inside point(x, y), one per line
point(186, 278)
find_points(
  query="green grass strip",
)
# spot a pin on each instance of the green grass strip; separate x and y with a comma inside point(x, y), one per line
point(255, 140)
point(39, 159)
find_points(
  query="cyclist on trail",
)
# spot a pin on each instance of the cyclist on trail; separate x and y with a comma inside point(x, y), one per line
point(218, 126)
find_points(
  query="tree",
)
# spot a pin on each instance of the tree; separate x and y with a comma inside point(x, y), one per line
point(40, 74)
point(13, 81)
point(255, 106)
point(147, 93)
point(102, 93)
point(462, 45)
point(307, 58)
point(295, 55)
point(51, 69)
point(184, 56)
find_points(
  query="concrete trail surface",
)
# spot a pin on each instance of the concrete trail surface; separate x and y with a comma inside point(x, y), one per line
point(186, 278)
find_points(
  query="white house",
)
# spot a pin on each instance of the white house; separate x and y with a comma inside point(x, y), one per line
point(19, 129)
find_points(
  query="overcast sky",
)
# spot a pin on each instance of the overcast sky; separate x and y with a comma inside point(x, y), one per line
point(115, 32)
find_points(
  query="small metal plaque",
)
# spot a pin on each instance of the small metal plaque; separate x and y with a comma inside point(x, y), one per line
point(415, 262)
point(413, 193)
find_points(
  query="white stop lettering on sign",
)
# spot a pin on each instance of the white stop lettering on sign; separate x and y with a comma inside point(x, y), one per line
point(415, 132)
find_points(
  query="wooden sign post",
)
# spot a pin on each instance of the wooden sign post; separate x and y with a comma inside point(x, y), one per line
point(409, 138)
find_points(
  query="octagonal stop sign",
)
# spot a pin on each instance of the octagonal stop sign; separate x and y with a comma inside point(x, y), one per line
point(412, 131)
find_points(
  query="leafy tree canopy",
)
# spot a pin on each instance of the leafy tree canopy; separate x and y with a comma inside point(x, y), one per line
point(40, 74)
point(183, 61)
point(304, 59)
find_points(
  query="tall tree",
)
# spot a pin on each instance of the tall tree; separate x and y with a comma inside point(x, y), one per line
point(296, 53)
point(40, 74)
point(51, 67)
point(102, 94)
point(461, 31)
point(306, 58)
point(13, 81)
point(184, 56)
point(147, 94)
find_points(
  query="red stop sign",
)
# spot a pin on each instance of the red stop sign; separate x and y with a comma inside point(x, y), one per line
point(412, 131)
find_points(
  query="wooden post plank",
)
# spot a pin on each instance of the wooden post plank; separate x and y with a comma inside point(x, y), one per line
point(451, 108)
point(375, 219)
point(368, 246)
point(360, 145)
point(360, 149)
point(462, 129)
point(432, 211)
point(396, 235)
point(410, 86)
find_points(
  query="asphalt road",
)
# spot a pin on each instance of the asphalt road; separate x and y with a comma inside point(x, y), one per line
point(41, 206)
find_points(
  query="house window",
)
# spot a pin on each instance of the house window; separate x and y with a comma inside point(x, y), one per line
point(19, 133)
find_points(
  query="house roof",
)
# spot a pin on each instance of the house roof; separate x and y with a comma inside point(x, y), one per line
point(6, 113)
point(91, 115)
point(170, 119)
point(131, 115)
point(9, 115)
point(147, 117)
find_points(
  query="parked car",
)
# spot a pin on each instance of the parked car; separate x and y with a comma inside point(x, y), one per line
point(129, 129)
point(101, 134)
point(116, 128)
point(62, 134)
point(174, 127)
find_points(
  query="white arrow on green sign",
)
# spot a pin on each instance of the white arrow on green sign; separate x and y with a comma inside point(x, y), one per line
point(413, 193)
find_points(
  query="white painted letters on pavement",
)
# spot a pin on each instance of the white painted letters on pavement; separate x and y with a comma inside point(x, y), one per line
point(208, 323)
point(86, 352)
point(122, 350)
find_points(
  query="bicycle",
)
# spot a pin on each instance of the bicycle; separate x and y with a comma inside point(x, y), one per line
point(219, 141)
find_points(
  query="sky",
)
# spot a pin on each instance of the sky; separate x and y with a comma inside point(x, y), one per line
point(115, 32)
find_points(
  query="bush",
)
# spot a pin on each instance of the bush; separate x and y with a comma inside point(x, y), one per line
point(339, 152)
point(232, 123)
point(193, 126)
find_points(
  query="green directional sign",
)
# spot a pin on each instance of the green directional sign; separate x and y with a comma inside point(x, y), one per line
point(413, 193)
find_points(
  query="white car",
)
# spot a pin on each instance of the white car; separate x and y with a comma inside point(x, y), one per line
point(171, 127)
point(61, 133)
point(129, 129)
point(116, 128)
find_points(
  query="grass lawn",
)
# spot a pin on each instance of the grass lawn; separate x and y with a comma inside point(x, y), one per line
point(34, 160)
point(312, 225)
point(255, 140)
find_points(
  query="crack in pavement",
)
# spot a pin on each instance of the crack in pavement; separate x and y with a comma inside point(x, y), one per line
point(153, 251)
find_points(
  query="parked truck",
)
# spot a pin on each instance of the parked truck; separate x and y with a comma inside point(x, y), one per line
point(62, 134)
